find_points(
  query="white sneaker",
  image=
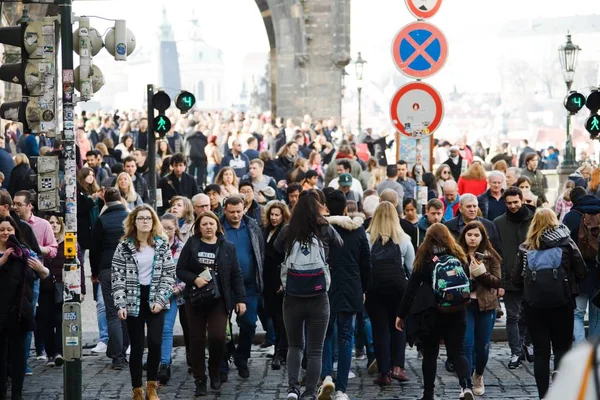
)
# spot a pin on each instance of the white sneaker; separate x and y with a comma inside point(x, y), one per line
point(128, 352)
point(466, 394)
point(339, 395)
point(326, 389)
point(351, 375)
point(42, 357)
point(100, 348)
point(478, 386)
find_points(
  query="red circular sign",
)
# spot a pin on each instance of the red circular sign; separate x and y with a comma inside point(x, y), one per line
point(423, 8)
point(419, 50)
point(416, 122)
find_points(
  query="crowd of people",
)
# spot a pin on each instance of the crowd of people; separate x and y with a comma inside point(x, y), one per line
point(338, 255)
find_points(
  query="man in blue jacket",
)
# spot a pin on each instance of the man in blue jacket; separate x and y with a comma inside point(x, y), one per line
point(236, 160)
point(588, 206)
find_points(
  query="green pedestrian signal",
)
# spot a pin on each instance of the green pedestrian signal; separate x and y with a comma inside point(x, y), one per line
point(592, 125)
point(162, 125)
point(574, 102)
point(185, 101)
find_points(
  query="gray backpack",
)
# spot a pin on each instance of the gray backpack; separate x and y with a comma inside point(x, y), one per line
point(305, 271)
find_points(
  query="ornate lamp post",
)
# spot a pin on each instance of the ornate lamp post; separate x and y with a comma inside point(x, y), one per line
point(359, 65)
point(567, 54)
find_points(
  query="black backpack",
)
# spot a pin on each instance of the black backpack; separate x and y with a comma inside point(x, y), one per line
point(387, 274)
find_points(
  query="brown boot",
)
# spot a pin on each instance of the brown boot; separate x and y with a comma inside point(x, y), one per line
point(138, 394)
point(399, 374)
point(151, 387)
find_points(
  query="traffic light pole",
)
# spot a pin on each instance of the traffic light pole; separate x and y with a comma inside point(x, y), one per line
point(151, 147)
point(71, 318)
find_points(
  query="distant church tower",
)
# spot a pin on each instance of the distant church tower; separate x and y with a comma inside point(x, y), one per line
point(169, 75)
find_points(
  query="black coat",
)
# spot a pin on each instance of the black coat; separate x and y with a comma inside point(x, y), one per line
point(21, 178)
point(171, 187)
point(272, 264)
point(12, 275)
point(106, 236)
point(455, 169)
point(85, 208)
point(349, 265)
point(421, 317)
point(273, 170)
point(194, 146)
point(229, 273)
point(27, 235)
point(483, 201)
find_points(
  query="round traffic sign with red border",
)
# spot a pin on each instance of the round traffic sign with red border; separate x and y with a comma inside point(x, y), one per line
point(423, 8)
point(416, 110)
point(419, 50)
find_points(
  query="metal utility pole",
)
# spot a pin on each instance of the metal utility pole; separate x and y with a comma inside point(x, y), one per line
point(72, 326)
point(151, 146)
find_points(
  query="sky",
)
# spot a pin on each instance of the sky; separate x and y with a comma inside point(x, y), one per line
point(470, 26)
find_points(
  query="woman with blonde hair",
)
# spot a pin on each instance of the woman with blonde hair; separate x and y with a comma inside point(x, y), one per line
point(442, 174)
point(183, 209)
point(143, 276)
point(20, 176)
point(392, 256)
point(473, 181)
point(228, 180)
point(377, 176)
point(450, 323)
point(127, 190)
point(550, 268)
point(300, 168)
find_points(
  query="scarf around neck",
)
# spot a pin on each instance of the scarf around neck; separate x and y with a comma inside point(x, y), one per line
point(449, 213)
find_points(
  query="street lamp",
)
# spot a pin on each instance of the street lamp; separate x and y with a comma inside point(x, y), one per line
point(567, 54)
point(359, 65)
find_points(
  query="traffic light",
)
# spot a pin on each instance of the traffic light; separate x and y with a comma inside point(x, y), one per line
point(574, 102)
point(36, 73)
point(161, 102)
point(593, 101)
point(87, 42)
point(185, 101)
point(592, 125)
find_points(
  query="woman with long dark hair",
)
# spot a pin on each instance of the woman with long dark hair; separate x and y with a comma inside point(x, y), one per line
point(276, 216)
point(18, 269)
point(439, 244)
point(486, 277)
point(306, 311)
point(89, 204)
point(550, 254)
point(143, 276)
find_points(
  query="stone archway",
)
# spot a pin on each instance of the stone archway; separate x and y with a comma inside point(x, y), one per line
point(309, 47)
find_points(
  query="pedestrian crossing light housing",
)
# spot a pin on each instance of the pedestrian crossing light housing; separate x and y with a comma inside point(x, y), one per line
point(161, 102)
point(574, 102)
point(592, 125)
point(593, 101)
point(185, 101)
point(162, 125)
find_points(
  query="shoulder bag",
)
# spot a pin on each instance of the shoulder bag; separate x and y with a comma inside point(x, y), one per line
point(209, 293)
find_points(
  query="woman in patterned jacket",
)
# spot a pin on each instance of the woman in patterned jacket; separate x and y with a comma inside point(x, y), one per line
point(143, 276)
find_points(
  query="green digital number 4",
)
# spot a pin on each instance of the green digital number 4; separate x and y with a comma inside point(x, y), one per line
point(188, 101)
point(577, 100)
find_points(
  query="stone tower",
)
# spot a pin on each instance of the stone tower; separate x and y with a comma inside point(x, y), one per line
point(169, 74)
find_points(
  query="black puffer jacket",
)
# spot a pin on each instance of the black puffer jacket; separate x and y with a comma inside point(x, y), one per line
point(228, 268)
point(11, 279)
point(106, 236)
point(349, 265)
point(571, 259)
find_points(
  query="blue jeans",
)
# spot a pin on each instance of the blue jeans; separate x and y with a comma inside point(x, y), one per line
point(582, 301)
point(167, 336)
point(29, 335)
point(247, 325)
point(345, 339)
point(212, 172)
point(101, 314)
point(480, 326)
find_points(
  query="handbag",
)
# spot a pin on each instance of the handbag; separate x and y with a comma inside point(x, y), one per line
point(59, 290)
point(209, 293)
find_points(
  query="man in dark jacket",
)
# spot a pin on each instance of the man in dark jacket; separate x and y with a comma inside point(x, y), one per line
point(350, 266)
point(251, 207)
point(142, 136)
point(247, 238)
point(454, 161)
point(194, 151)
point(512, 228)
point(491, 203)
point(583, 204)
point(434, 213)
point(236, 159)
point(468, 213)
point(177, 182)
point(106, 235)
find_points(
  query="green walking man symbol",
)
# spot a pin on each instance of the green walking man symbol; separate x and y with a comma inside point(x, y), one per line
point(595, 124)
point(162, 125)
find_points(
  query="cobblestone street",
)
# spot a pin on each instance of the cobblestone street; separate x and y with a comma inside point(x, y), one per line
point(101, 382)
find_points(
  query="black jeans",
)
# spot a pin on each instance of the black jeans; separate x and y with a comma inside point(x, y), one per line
point(516, 326)
point(197, 169)
point(135, 326)
point(186, 333)
point(450, 327)
point(274, 310)
point(118, 340)
point(12, 349)
point(549, 327)
point(388, 342)
point(49, 323)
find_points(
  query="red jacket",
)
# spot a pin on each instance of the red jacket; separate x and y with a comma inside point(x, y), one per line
point(472, 186)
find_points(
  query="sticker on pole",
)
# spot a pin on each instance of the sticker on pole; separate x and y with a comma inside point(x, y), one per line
point(419, 50)
point(423, 8)
point(416, 110)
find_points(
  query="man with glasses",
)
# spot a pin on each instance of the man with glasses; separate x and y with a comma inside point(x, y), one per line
point(237, 160)
point(201, 203)
point(48, 246)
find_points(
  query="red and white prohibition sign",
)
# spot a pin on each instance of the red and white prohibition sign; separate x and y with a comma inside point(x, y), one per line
point(416, 110)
